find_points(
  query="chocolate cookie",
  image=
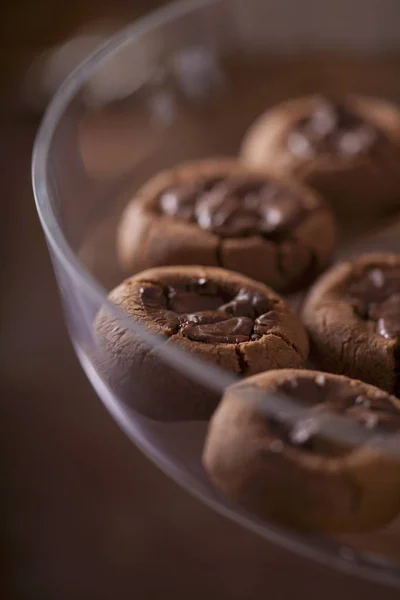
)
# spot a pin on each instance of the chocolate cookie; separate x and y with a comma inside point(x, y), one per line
point(348, 150)
point(274, 445)
point(353, 317)
point(220, 213)
point(221, 317)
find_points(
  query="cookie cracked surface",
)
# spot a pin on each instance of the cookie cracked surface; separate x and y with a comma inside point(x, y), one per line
point(221, 213)
point(216, 315)
point(353, 318)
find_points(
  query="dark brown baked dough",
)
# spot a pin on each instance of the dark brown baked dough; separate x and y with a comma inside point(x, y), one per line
point(290, 470)
point(347, 149)
point(222, 317)
point(353, 318)
point(221, 213)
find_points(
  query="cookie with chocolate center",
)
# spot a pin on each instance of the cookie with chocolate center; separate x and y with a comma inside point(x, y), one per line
point(353, 318)
point(220, 213)
point(224, 318)
point(315, 451)
point(347, 149)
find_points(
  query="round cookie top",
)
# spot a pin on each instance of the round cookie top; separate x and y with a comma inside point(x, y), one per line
point(302, 428)
point(353, 317)
point(334, 128)
point(213, 312)
point(346, 148)
point(215, 315)
point(227, 199)
point(325, 131)
point(326, 440)
point(220, 212)
point(203, 309)
point(237, 205)
point(370, 287)
point(374, 293)
point(323, 395)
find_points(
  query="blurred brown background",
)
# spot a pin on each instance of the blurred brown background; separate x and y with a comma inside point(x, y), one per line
point(83, 514)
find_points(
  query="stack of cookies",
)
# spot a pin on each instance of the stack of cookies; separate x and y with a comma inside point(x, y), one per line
point(211, 249)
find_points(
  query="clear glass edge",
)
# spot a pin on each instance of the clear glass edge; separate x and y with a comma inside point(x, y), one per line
point(213, 376)
point(331, 554)
point(389, 573)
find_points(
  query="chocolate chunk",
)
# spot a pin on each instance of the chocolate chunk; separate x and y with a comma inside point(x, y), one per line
point(180, 201)
point(182, 301)
point(388, 317)
point(153, 297)
point(230, 331)
point(154, 301)
point(247, 304)
point(206, 317)
point(376, 296)
point(205, 286)
point(266, 322)
point(200, 311)
point(372, 412)
point(236, 206)
point(332, 128)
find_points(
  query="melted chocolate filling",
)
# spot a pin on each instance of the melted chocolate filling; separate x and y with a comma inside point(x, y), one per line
point(236, 206)
point(204, 312)
point(332, 128)
point(324, 396)
point(376, 297)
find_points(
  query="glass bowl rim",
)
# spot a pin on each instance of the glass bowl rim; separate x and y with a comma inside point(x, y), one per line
point(58, 244)
point(41, 149)
point(215, 377)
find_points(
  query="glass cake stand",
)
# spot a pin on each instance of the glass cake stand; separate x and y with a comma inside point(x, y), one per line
point(185, 83)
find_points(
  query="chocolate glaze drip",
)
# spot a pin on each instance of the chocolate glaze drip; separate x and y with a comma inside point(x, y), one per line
point(332, 128)
point(324, 396)
point(236, 206)
point(375, 296)
point(204, 312)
